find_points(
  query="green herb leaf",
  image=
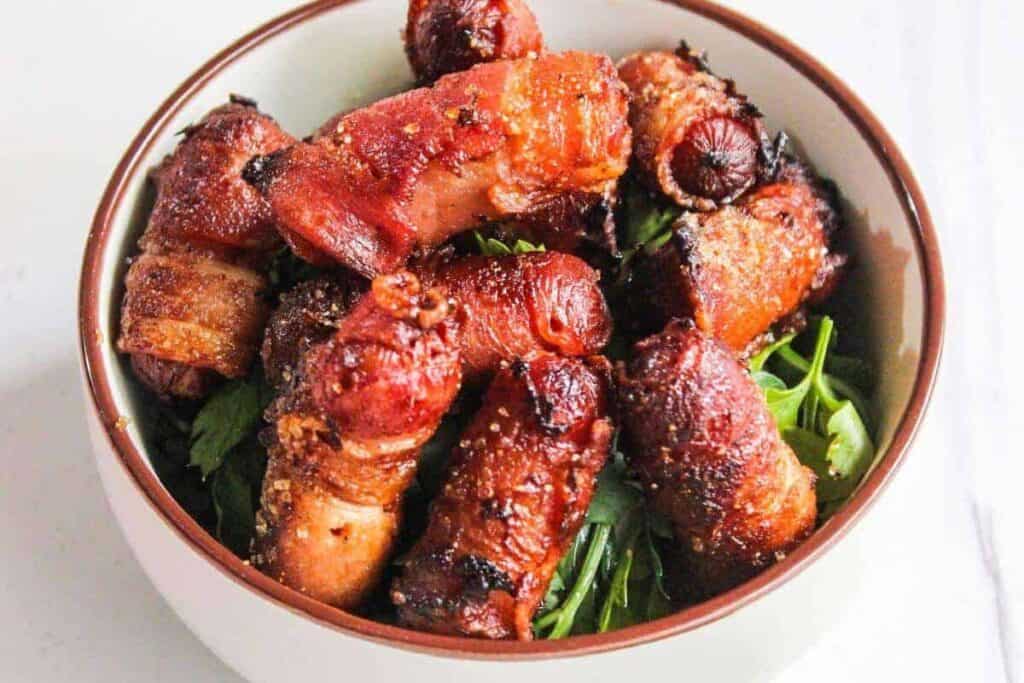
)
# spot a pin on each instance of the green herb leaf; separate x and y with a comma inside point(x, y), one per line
point(224, 421)
point(646, 219)
point(234, 503)
point(584, 584)
point(821, 417)
point(756, 363)
point(850, 451)
point(492, 247)
point(613, 498)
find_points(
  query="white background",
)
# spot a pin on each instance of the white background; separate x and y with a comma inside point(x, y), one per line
point(943, 593)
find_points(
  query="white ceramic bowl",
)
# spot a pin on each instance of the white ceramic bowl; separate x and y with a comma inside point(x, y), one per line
point(332, 55)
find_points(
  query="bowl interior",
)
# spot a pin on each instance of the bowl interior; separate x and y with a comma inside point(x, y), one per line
point(348, 54)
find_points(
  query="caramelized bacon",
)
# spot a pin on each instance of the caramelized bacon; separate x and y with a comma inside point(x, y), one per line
point(445, 36)
point(496, 141)
point(515, 496)
point(513, 306)
point(706, 448)
point(306, 316)
point(739, 269)
point(695, 138)
point(345, 440)
point(193, 307)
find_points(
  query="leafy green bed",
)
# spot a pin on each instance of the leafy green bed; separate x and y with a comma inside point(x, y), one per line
point(211, 460)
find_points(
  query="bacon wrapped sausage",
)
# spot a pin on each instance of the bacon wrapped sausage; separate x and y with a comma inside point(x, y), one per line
point(702, 441)
point(739, 269)
point(695, 138)
point(445, 36)
point(193, 308)
point(513, 306)
point(495, 141)
point(345, 439)
point(515, 496)
point(307, 315)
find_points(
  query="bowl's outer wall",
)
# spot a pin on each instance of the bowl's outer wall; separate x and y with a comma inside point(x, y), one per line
point(356, 58)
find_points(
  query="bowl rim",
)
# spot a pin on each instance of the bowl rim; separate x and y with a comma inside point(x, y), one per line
point(93, 335)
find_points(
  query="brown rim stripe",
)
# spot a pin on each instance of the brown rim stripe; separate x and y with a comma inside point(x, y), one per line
point(189, 531)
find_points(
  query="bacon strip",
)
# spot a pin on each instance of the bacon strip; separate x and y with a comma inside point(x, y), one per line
point(193, 307)
point(495, 141)
point(701, 439)
point(445, 36)
point(695, 138)
point(345, 440)
point(739, 269)
point(515, 306)
point(515, 496)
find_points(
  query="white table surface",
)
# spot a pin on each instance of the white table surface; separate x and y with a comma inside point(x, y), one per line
point(943, 592)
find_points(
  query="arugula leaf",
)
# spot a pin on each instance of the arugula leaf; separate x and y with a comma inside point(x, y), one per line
point(756, 364)
point(226, 418)
point(611, 576)
point(646, 220)
point(821, 417)
point(493, 247)
point(613, 498)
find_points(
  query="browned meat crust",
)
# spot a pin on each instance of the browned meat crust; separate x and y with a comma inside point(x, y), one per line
point(694, 137)
point(345, 440)
point(445, 36)
point(516, 495)
point(499, 140)
point(306, 316)
point(741, 268)
point(193, 307)
point(514, 306)
point(707, 450)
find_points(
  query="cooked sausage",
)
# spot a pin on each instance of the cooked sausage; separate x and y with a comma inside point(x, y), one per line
point(739, 269)
point(344, 441)
point(412, 170)
point(445, 36)
point(193, 307)
point(306, 316)
point(695, 138)
point(700, 436)
point(515, 496)
point(513, 306)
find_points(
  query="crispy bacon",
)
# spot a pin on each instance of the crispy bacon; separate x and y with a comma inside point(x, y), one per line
point(445, 36)
point(193, 307)
point(695, 138)
point(345, 439)
point(515, 496)
point(307, 315)
point(707, 450)
point(514, 306)
point(741, 268)
point(496, 141)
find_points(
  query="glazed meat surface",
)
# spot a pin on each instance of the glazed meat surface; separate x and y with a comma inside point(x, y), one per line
point(496, 141)
point(703, 443)
point(306, 315)
point(515, 496)
point(344, 441)
point(514, 306)
point(445, 36)
point(739, 269)
point(695, 138)
point(193, 307)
